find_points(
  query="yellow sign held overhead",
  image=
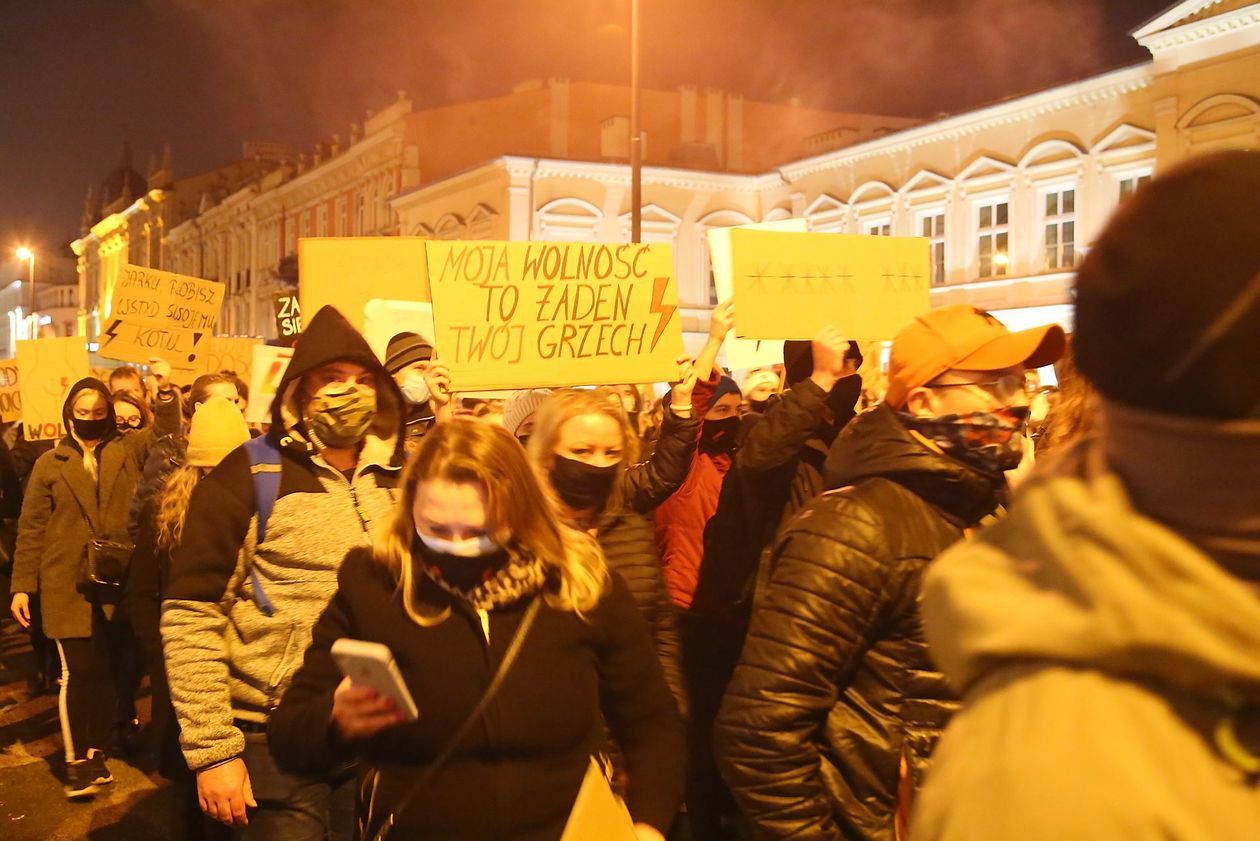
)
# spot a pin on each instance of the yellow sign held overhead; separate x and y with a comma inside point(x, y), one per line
point(47, 370)
point(744, 353)
point(347, 272)
point(10, 392)
point(791, 285)
point(156, 314)
point(220, 353)
point(536, 314)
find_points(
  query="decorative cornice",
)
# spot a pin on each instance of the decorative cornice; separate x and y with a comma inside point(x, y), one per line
point(1170, 16)
point(1096, 89)
point(1201, 30)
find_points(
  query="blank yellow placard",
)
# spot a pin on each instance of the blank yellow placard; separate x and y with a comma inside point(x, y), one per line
point(347, 272)
point(47, 369)
point(547, 314)
point(791, 285)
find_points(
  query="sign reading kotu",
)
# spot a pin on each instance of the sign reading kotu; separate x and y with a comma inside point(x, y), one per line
point(156, 314)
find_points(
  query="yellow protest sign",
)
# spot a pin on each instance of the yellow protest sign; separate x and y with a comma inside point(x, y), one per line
point(220, 353)
point(156, 314)
point(536, 314)
point(266, 370)
point(47, 369)
point(744, 353)
point(791, 285)
point(347, 272)
point(10, 392)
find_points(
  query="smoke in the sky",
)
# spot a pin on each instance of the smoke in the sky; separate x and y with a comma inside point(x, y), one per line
point(328, 60)
point(209, 74)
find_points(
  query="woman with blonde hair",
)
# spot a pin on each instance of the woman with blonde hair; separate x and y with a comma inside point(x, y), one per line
point(585, 448)
point(217, 428)
point(513, 640)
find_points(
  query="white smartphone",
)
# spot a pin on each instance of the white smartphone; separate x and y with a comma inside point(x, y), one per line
point(372, 664)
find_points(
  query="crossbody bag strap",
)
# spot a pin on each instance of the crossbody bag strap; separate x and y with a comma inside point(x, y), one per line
point(452, 744)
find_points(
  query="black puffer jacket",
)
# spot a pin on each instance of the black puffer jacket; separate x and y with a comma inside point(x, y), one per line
point(628, 538)
point(834, 685)
point(778, 471)
point(629, 543)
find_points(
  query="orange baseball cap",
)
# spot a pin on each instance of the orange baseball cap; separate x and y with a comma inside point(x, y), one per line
point(964, 338)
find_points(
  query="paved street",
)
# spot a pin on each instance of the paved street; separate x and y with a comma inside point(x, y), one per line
point(32, 808)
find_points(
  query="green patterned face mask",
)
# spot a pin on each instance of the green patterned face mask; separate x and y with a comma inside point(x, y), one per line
point(339, 414)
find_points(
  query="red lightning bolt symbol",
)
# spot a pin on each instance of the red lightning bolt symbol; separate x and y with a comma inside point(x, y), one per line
point(665, 311)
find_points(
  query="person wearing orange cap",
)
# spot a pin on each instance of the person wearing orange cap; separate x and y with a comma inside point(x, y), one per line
point(833, 711)
point(1105, 635)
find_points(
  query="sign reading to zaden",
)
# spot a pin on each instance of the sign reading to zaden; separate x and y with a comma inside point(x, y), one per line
point(533, 314)
point(159, 314)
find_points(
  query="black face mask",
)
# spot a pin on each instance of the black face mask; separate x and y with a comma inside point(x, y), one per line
point(458, 571)
point(91, 430)
point(718, 437)
point(582, 487)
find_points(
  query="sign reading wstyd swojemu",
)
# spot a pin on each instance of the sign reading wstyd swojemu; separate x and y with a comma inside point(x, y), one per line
point(156, 314)
point(536, 314)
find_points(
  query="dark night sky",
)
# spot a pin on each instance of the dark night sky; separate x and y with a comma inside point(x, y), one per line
point(76, 78)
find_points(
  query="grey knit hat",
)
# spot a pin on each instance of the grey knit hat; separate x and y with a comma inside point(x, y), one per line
point(521, 405)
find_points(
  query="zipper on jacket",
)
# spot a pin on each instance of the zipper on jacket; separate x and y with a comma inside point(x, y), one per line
point(273, 683)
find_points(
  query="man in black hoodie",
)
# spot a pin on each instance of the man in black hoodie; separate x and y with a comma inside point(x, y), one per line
point(834, 708)
point(244, 593)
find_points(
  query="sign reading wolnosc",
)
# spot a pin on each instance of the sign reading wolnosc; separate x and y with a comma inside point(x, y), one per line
point(535, 314)
point(156, 314)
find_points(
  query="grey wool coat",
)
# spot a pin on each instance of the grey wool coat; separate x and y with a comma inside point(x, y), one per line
point(63, 509)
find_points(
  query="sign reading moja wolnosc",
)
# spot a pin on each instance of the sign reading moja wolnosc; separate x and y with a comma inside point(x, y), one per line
point(791, 285)
point(156, 314)
point(537, 314)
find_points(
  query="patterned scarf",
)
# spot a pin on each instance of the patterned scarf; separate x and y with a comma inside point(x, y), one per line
point(501, 585)
point(989, 442)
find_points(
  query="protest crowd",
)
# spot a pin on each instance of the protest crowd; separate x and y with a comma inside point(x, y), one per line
point(809, 600)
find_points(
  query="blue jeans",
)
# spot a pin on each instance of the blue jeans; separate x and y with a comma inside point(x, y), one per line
point(293, 808)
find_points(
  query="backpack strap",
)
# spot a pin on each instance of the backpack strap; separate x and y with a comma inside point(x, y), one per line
point(264, 469)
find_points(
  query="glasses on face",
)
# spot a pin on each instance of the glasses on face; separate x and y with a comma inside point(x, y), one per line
point(124, 425)
point(1003, 388)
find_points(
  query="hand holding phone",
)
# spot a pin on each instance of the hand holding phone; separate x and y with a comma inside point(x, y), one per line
point(373, 696)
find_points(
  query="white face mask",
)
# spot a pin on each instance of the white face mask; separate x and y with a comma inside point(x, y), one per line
point(474, 547)
point(414, 387)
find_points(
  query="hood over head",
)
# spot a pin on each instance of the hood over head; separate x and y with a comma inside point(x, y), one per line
point(1074, 575)
point(89, 384)
point(875, 445)
point(329, 337)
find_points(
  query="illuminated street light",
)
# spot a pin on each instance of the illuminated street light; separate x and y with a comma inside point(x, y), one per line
point(1001, 259)
point(28, 254)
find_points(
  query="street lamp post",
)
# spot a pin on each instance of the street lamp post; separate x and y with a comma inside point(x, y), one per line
point(28, 254)
point(636, 136)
